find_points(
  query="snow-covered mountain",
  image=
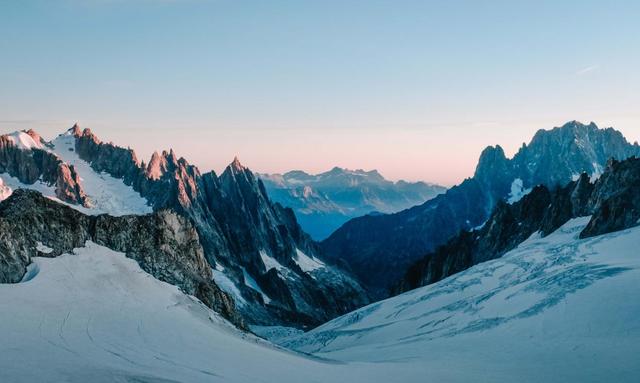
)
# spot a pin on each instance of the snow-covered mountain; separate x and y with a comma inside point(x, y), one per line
point(380, 248)
point(255, 248)
point(323, 202)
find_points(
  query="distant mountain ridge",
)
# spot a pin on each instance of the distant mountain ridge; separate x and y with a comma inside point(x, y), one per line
point(324, 201)
point(379, 248)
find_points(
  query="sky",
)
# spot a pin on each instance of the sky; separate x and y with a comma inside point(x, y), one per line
point(415, 89)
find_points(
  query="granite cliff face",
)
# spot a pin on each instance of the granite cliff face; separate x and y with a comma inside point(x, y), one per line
point(379, 248)
point(323, 202)
point(612, 201)
point(164, 244)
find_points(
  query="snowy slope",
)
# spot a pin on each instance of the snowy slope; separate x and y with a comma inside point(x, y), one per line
point(24, 141)
point(554, 309)
point(106, 193)
point(95, 316)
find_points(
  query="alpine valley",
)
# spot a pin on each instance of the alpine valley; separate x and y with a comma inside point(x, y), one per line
point(323, 202)
point(114, 269)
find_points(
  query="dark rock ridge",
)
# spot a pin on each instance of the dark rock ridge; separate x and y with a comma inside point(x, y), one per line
point(164, 244)
point(29, 165)
point(379, 248)
point(613, 201)
point(235, 221)
point(323, 202)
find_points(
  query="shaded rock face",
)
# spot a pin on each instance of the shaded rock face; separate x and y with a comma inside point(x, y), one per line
point(235, 221)
point(323, 202)
point(379, 248)
point(164, 244)
point(613, 201)
point(31, 165)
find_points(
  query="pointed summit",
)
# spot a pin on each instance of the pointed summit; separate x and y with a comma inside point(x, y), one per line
point(75, 130)
point(157, 166)
point(236, 165)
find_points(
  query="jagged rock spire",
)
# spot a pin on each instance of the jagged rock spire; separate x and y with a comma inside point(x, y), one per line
point(75, 130)
point(236, 165)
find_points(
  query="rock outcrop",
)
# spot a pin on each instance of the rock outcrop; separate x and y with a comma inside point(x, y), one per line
point(31, 164)
point(164, 244)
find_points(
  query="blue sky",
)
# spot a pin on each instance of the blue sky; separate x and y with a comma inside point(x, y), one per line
point(415, 89)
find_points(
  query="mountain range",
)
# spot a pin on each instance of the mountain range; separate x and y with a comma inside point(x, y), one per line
point(323, 202)
point(611, 202)
point(563, 296)
point(380, 248)
point(115, 269)
point(253, 248)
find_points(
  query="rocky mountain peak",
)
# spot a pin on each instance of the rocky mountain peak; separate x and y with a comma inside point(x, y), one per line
point(492, 159)
point(236, 166)
point(553, 158)
point(75, 130)
point(35, 136)
point(157, 166)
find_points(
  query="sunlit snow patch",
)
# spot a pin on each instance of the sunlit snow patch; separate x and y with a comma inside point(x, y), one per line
point(306, 263)
point(270, 262)
point(8, 184)
point(517, 191)
point(24, 141)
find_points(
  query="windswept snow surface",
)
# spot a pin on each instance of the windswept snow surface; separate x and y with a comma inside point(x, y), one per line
point(107, 194)
point(555, 309)
point(8, 184)
point(95, 316)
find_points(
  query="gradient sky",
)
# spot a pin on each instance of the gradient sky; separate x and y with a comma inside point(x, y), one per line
point(415, 89)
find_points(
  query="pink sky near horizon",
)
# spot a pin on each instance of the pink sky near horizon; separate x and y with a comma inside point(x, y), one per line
point(438, 153)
